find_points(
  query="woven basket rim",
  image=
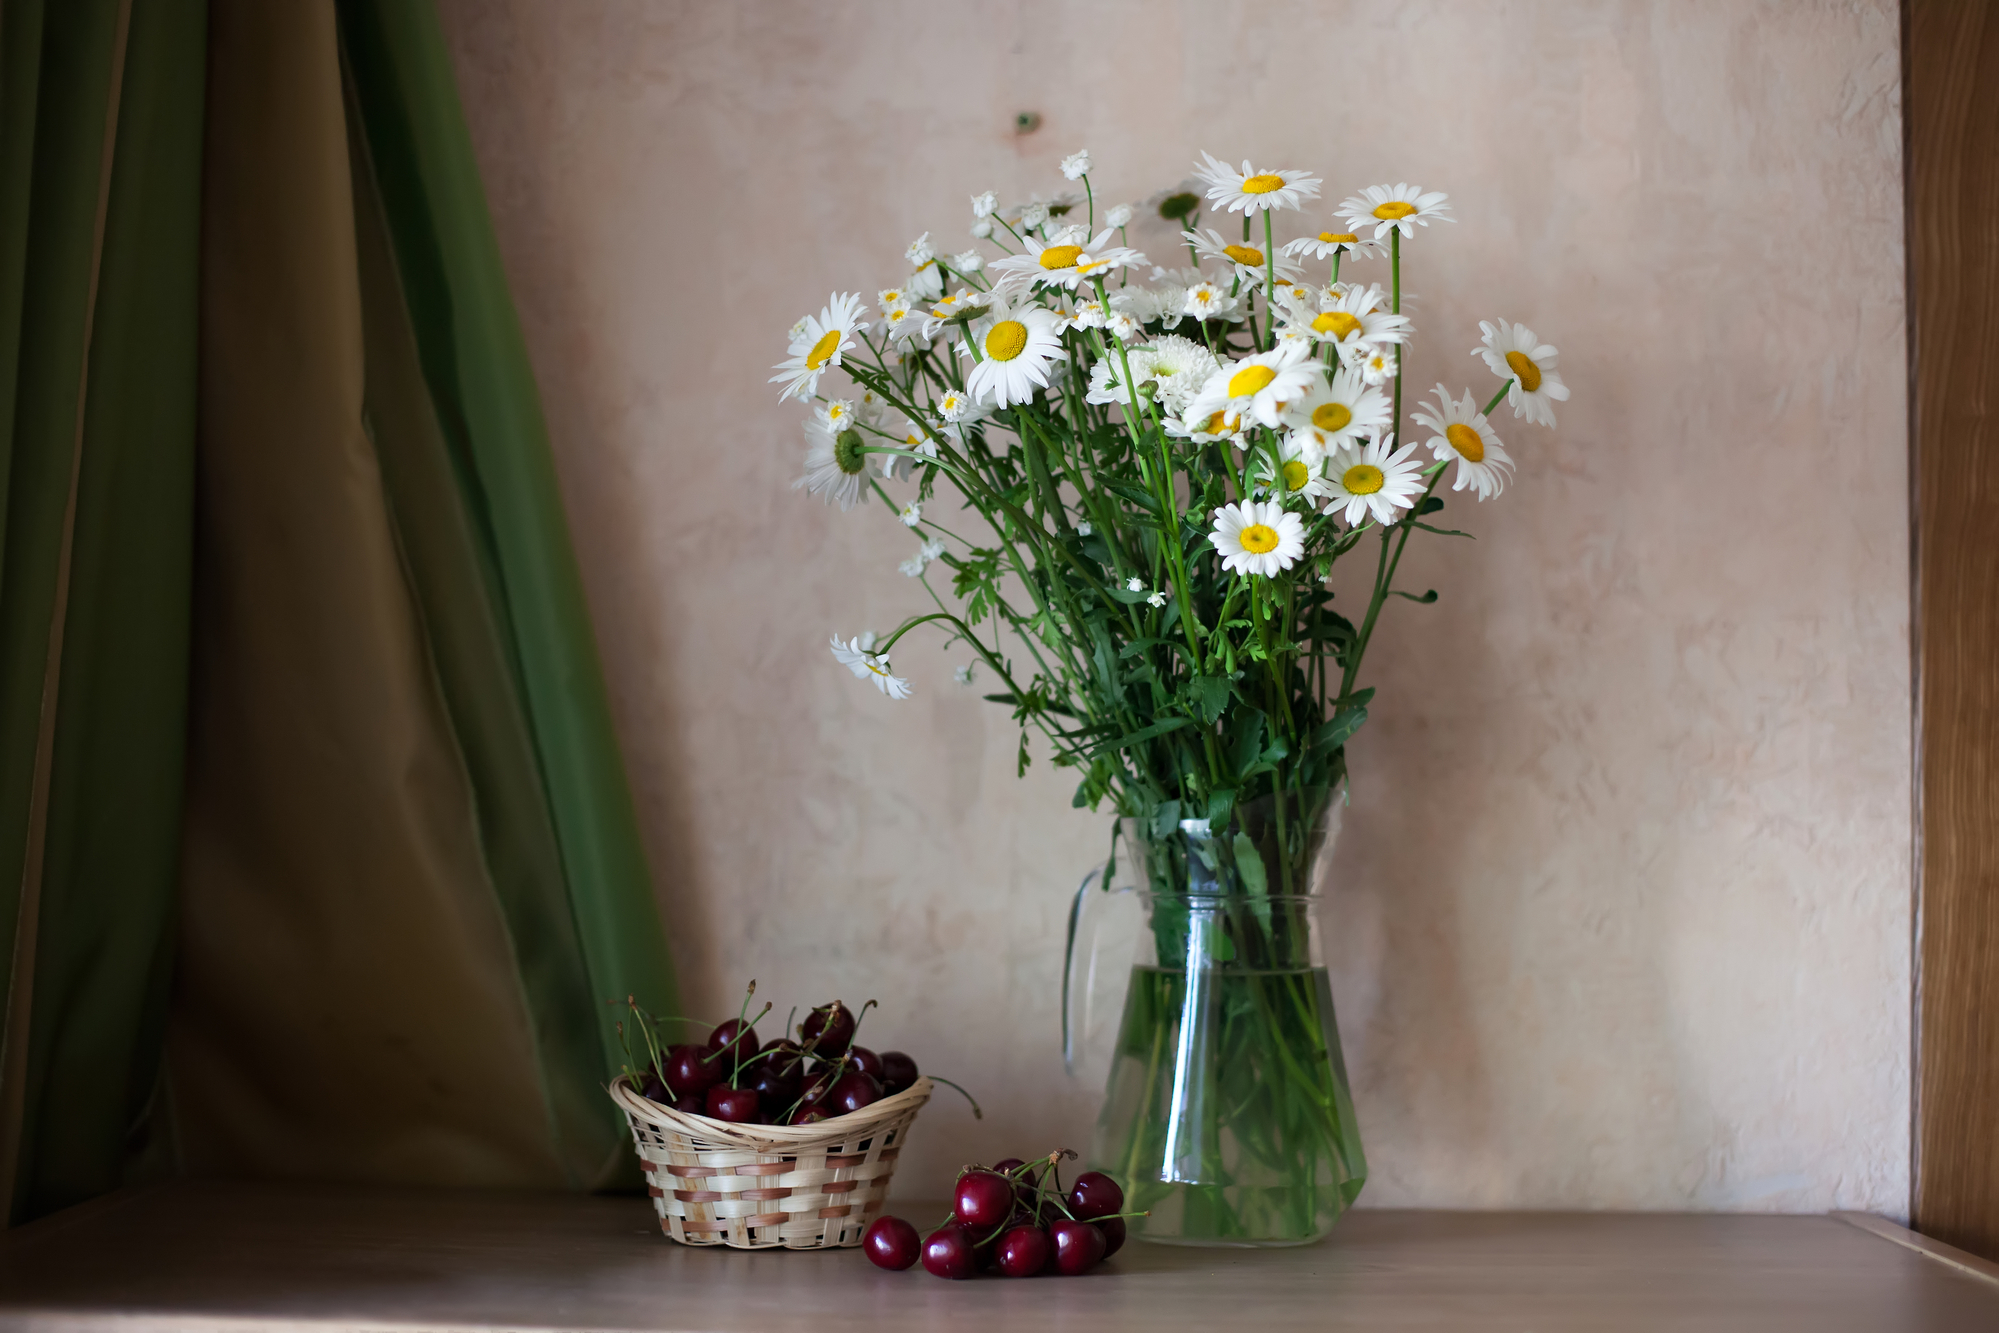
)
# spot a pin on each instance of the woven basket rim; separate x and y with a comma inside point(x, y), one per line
point(771, 1138)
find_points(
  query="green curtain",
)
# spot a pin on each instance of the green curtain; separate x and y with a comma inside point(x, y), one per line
point(320, 447)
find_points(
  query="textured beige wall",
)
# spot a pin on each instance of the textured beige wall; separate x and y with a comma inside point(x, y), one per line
point(1624, 911)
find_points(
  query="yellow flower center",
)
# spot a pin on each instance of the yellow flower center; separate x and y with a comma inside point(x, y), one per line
point(1296, 475)
point(1258, 537)
point(1219, 424)
point(828, 343)
point(1244, 254)
point(1362, 479)
point(1466, 441)
point(1331, 416)
point(1006, 340)
point(1249, 380)
point(1395, 210)
point(1060, 256)
point(1263, 183)
point(1524, 368)
point(1338, 237)
point(1336, 322)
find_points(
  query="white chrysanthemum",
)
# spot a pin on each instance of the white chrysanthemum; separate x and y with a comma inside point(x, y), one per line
point(1460, 432)
point(817, 345)
point(1259, 387)
point(951, 405)
point(983, 205)
point(1207, 301)
point(1395, 208)
point(1378, 366)
point(1365, 479)
point(967, 261)
point(1247, 260)
point(1253, 191)
point(1107, 376)
point(982, 228)
point(1300, 465)
point(859, 658)
point(1257, 537)
point(1119, 215)
point(1512, 351)
point(1070, 259)
point(1180, 366)
point(1076, 165)
point(836, 463)
point(1329, 243)
point(1336, 412)
point(911, 514)
point(1015, 347)
point(920, 251)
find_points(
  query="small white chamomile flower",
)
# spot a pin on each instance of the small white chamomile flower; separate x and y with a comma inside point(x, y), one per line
point(1399, 208)
point(1076, 165)
point(984, 205)
point(1248, 260)
point(1015, 347)
point(911, 515)
point(892, 298)
point(964, 674)
point(967, 261)
point(1329, 243)
point(1372, 478)
point(1300, 466)
point(1261, 386)
point(1512, 352)
point(1252, 191)
point(982, 228)
point(1461, 433)
point(952, 404)
point(1257, 537)
point(1134, 584)
point(920, 251)
point(860, 658)
point(817, 346)
point(1119, 215)
point(1069, 261)
point(1378, 365)
point(1207, 301)
point(1157, 599)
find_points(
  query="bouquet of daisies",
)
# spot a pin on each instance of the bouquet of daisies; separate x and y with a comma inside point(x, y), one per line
point(1128, 481)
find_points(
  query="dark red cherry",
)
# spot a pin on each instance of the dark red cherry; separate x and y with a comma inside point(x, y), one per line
point(737, 1037)
point(982, 1200)
point(739, 1105)
point(777, 1087)
point(827, 1030)
point(809, 1115)
point(783, 1051)
point(898, 1072)
point(1095, 1195)
point(1023, 1252)
point(1023, 1181)
point(851, 1091)
point(891, 1243)
point(1078, 1246)
point(655, 1090)
point(1113, 1229)
point(865, 1060)
point(949, 1252)
point(688, 1074)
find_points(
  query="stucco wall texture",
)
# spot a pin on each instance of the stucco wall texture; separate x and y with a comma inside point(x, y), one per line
point(1622, 915)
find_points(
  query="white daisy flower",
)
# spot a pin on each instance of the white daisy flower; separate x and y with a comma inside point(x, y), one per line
point(902, 325)
point(1207, 301)
point(1179, 366)
point(967, 261)
point(951, 405)
point(834, 416)
point(859, 658)
point(1076, 165)
point(1329, 243)
point(1257, 537)
point(1253, 191)
point(911, 515)
point(1261, 386)
point(1200, 425)
point(1300, 465)
point(1336, 412)
point(1512, 351)
point(927, 282)
point(946, 308)
point(818, 344)
point(835, 463)
point(1378, 366)
point(963, 675)
point(1122, 326)
point(984, 205)
point(1395, 208)
point(1366, 478)
point(1015, 347)
point(1248, 260)
point(920, 251)
point(1157, 599)
point(1119, 215)
point(1461, 432)
point(892, 298)
point(1071, 259)
point(1355, 321)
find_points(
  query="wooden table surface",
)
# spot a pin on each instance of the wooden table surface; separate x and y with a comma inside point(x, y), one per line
point(209, 1255)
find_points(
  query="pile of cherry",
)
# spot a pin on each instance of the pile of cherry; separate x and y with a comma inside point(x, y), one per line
point(731, 1077)
point(1012, 1218)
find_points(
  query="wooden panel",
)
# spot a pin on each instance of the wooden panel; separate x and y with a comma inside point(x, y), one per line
point(1951, 65)
point(201, 1255)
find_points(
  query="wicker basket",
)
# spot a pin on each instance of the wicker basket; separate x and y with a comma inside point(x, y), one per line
point(759, 1187)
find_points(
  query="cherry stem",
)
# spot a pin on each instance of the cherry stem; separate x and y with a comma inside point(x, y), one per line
point(977, 1114)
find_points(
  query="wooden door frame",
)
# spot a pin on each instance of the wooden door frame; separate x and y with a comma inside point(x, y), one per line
point(1951, 198)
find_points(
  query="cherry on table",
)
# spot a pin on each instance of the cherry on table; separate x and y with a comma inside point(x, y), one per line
point(851, 1091)
point(828, 1029)
point(949, 1252)
point(982, 1199)
point(1078, 1246)
point(1095, 1194)
point(898, 1072)
point(891, 1243)
point(738, 1105)
point(689, 1074)
point(1113, 1229)
point(1023, 1251)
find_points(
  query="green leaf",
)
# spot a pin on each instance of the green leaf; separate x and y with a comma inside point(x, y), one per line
point(1165, 819)
point(1441, 532)
point(1208, 695)
point(1249, 867)
point(1130, 739)
point(1342, 726)
point(1431, 504)
point(1424, 600)
point(1126, 595)
point(1137, 495)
